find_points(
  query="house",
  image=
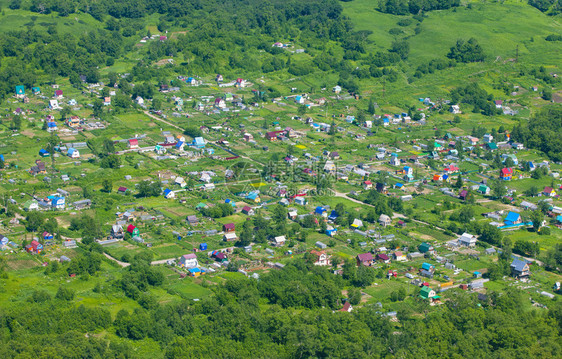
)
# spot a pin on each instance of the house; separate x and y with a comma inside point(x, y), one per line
point(347, 307)
point(549, 191)
point(241, 83)
point(357, 223)
point(228, 227)
point(73, 153)
point(117, 231)
point(248, 137)
point(192, 220)
point(122, 190)
point(300, 201)
point(52, 126)
point(321, 258)
point(54, 105)
point(488, 138)
point(47, 236)
point(189, 261)
point(367, 185)
point(427, 293)
point(221, 257)
point(512, 218)
point(498, 103)
point(467, 240)
point(199, 142)
point(365, 259)
point(132, 230)
point(34, 247)
point(57, 202)
point(229, 237)
point(168, 193)
point(519, 269)
point(20, 91)
point(381, 188)
point(425, 248)
point(220, 103)
point(455, 109)
point(485, 190)
point(31, 205)
point(506, 174)
point(336, 89)
point(279, 241)
point(44, 153)
point(385, 220)
point(195, 272)
point(381, 257)
point(399, 256)
point(321, 211)
point(463, 195)
point(247, 210)
point(133, 143)
point(254, 196)
point(58, 94)
point(73, 121)
point(107, 101)
point(180, 181)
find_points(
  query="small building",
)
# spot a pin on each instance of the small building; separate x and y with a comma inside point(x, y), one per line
point(34, 247)
point(189, 261)
point(279, 241)
point(506, 174)
point(425, 247)
point(229, 227)
point(467, 240)
point(365, 259)
point(385, 220)
point(132, 230)
point(249, 211)
point(229, 237)
point(320, 245)
point(520, 269)
point(321, 258)
point(133, 143)
point(73, 153)
point(428, 293)
point(168, 193)
point(513, 218)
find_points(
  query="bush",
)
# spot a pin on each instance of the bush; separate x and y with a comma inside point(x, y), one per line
point(65, 294)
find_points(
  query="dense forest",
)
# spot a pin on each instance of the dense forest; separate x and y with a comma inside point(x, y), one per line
point(298, 322)
point(543, 132)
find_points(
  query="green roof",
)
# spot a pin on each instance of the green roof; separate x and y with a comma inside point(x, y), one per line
point(424, 292)
point(492, 146)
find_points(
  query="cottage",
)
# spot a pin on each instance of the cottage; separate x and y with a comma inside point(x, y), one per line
point(132, 230)
point(367, 185)
point(385, 220)
point(168, 193)
point(279, 241)
point(427, 293)
point(381, 257)
point(247, 210)
point(506, 174)
point(399, 256)
point(122, 190)
point(365, 259)
point(228, 227)
point(513, 218)
point(520, 269)
point(73, 153)
point(467, 240)
point(189, 261)
point(34, 247)
point(549, 191)
point(133, 143)
point(117, 231)
point(425, 248)
point(229, 237)
point(320, 257)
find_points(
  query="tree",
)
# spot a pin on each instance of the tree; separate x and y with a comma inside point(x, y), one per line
point(354, 295)
point(65, 294)
point(107, 185)
point(466, 51)
point(459, 183)
point(498, 189)
point(34, 221)
point(537, 217)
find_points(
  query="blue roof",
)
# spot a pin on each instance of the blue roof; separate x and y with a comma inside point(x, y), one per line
point(512, 217)
point(199, 140)
point(194, 270)
point(2, 157)
point(71, 150)
point(426, 266)
point(399, 185)
point(42, 150)
point(320, 210)
point(333, 215)
point(559, 218)
point(167, 191)
point(252, 195)
point(179, 144)
point(51, 124)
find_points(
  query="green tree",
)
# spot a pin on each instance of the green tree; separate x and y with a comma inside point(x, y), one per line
point(107, 185)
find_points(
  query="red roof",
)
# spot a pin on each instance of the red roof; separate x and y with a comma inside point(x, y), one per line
point(229, 226)
point(58, 93)
point(131, 228)
point(133, 141)
point(365, 257)
point(368, 182)
point(122, 189)
point(382, 257)
point(345, 307)
point(507, 171)
point(246, 209)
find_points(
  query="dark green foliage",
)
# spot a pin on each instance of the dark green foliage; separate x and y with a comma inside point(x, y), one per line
point(542, 132)
point(553, 37)
point(474, 95)
point(65, 294)
point(218, 211)
point(551, 7)
point(466, 51)
point(149, 189)
point(404, 7)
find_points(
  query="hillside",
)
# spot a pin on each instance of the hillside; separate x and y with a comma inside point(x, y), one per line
point(280, 179)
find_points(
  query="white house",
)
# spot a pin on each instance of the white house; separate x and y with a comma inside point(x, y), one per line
point(189, 261)
point(455, 109)
point(73, 153)
point(336, 89)
point(279, 241)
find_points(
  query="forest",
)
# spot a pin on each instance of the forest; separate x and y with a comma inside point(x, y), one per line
point(298, 322)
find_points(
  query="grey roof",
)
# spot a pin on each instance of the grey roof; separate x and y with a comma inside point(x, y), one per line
point(518, 265)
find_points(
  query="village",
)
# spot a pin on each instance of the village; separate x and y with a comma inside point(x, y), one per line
point(192, 175)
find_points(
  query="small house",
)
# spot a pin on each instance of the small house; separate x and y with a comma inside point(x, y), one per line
point(229, 237)
point(365, 259)
point(34, 247)
point(279, 241)
point(520, 269)
point(321, 258)
point(168, 193)
point(427, 293)
point(189, 261)
point(467, 240)
point(132, 230)
point(506, 174)
point(384, 220)
point(513, 218)
point(229, 227)
point(367, 185)
point(133, 143)
point(73, 153)
point(247, 210)
point(549, 191)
